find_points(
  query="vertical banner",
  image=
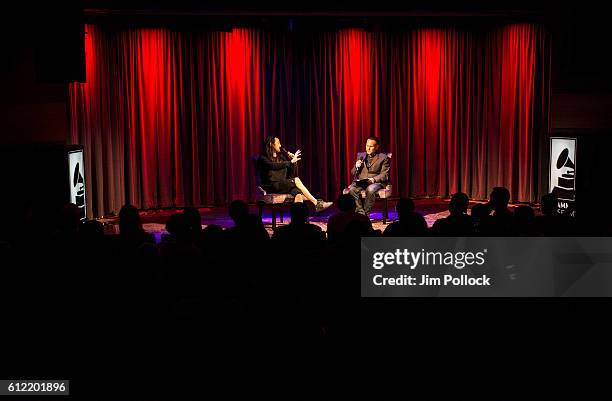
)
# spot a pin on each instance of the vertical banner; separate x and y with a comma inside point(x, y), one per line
point(76, 180)
point(563, 174)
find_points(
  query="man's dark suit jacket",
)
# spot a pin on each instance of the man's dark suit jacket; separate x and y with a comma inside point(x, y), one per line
point(378, 169)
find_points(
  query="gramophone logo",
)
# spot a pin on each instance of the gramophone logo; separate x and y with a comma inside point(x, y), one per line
point(77, 182)
point(563, 173)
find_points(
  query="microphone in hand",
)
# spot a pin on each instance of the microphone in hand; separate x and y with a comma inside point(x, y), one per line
point(359, 162)
point(358, 165)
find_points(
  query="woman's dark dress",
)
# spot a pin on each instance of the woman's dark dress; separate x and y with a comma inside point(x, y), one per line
point(275, 175)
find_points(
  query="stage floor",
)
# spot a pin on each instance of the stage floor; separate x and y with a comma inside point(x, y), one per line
point(154, 221)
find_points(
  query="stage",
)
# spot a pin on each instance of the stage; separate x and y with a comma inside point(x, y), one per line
point(154, 221)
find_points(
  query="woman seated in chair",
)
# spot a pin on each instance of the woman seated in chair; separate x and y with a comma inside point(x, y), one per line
point(275, 170)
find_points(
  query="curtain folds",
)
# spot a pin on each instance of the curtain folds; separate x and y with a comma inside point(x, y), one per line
point(172, 118)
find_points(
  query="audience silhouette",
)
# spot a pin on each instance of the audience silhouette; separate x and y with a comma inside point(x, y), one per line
point(458, 223)
point(337, 223)
point(234, 285)
point(299, 234)
point(480, 214)
point(409, 224)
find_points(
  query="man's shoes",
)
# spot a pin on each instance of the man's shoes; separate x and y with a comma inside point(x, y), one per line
point(323, 205)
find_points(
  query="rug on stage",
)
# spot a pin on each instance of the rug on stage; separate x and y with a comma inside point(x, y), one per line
point(157, 229)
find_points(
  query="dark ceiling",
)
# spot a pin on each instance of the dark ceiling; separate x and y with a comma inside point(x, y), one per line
point(377, 7)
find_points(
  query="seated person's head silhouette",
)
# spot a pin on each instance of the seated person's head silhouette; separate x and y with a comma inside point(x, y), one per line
point(499, 198)
point(299, 214)
point(238, 211)
point(404, 207)
point(459, 203)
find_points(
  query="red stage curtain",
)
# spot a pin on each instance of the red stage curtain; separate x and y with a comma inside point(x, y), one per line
point(172, 118)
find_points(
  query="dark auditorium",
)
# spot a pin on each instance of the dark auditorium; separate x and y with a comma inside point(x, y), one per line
point(305, 200)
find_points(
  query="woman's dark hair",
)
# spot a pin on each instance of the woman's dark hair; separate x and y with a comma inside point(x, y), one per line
point(268, 145)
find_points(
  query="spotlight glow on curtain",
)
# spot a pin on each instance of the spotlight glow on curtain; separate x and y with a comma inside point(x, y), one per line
point(171, 118)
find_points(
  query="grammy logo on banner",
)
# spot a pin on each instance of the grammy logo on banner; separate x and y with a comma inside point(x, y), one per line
point(563, 174)
point(77, 182)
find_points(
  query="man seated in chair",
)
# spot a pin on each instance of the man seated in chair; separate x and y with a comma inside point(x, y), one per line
point(371, 172)
point(275, 168)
